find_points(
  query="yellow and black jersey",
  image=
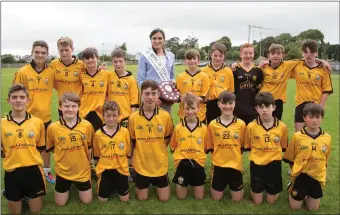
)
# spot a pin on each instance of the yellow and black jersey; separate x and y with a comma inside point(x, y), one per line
point(309, 154)
point(124, 91)
point(220, 79)
point(265, 145)
point(311, 83)
point(67, 76)
point(275, 79)
point(227, 143)
point(199, 85)
point(40, 87)
point(247, 85)
point(71, 149)
point(94, 91)
point(189, 143)
point(150, 136)
point(21, 142)
point(112, 150)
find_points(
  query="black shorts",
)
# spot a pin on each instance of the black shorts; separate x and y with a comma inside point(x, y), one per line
point(299, 112)
point(63, 185)
point(303, 186)
point(25, 181)
point(188, 174)
point(125, 122)
point(279, 109)
point(95, 120)
point(266, 177)
point(222, 177)
point(213, 111)
point(110, 181)
point(143, 182)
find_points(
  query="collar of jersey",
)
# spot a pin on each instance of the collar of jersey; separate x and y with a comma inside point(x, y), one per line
point(73, 62)
point(218, 120)
point(275, 124)
point(33, 64)
point(114, 133)
point(198, 71)
point(155, 112)
point(9, 118)
point(62, 122)
point(98, 70)
point(304, 131)
point(184, 123)
point(317, 66)
point(216, 70)
point(128, 74)
point(239, 65)
point(281, 62)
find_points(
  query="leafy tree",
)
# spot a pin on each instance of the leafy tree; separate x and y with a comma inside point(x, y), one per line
point(123, 46)
point(173, 44)
point(190, 43)
point(80, 55)
point(313, 34)
point(8, 58)
point(226, 41)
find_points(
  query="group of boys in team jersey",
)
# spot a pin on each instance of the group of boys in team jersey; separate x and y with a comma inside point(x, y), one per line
point(107, 125)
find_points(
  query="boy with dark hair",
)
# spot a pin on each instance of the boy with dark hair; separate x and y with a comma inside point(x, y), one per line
point(227, 134)
point(308, 154)
point(111, 147)
point(22, 141)
point(266, 139)
point(195, 81)
point(150, 129)
point(189, 143)
point(38, 79)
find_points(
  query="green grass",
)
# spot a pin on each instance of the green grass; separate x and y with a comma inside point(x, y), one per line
point(329, 203)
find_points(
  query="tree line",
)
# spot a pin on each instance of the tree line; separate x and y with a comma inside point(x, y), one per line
point(291, 43)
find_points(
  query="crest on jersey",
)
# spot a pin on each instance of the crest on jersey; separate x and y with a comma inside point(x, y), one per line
point(254, 77)
point(46, 81)
point(200, 83)
point(236, 135)
point(199, 140)
point(180, 180)
point(83, 136)
point(317, 77)
point(121, 145)
point(31, 134)
point(101, 83)
point(276, 139)
point(125, 86)
point(294, 193)
point(282, 74)
point(324, 149)
point(222, 79)
point(75, 74)
point(160, 128)
point(309, 75)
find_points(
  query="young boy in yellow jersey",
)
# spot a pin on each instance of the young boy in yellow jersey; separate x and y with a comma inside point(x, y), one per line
point(150, 129)
point(195, 81)
point(266, 139)
point(227, 134)
point(38, 79)
point(221, 78)
point(94, 89)
point(313, 82)
point(67, 68)
point(189, 144)
point(308, 154)
point(111, 146)
point(22, 141)
point(124, 90)
point(123, 87)
point(70, 139)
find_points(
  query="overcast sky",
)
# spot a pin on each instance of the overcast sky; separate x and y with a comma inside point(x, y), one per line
point(111, 23)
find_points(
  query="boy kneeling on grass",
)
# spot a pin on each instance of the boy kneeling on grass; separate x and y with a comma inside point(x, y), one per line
point(111, 146)
point(188, 144)
point(308, 154)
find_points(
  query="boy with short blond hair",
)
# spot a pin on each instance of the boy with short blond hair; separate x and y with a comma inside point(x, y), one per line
point(189, 143)
point(70, 140)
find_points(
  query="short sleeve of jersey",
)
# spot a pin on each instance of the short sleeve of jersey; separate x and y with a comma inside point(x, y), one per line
point(131, 127)
point(169, 126)
point(134, 93)
point(284, 139)
point(242, 135)
point(248, 135)
point(18, 78)
point(327, 84)
point(96, 145)
point(205, 86)
point(89, 135)
point(128, 144)
point(231, 80)
point(41, 142)
point(50, 138)
point(173, 142)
